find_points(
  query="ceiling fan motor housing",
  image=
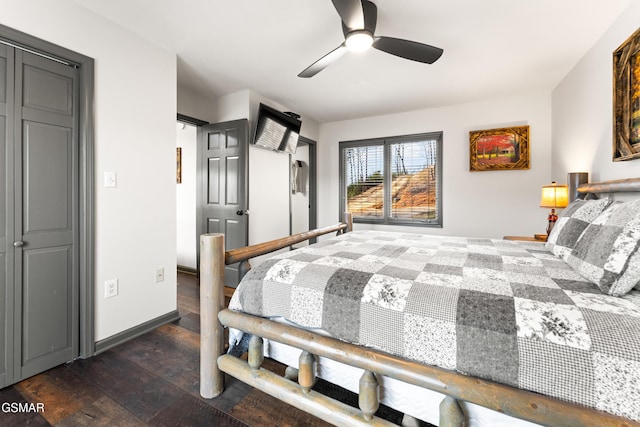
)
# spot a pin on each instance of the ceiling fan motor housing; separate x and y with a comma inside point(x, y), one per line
point(359, 40)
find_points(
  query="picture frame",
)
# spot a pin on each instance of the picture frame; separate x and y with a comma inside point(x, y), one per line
point(499, 149)
point(179, 165)
point(626, 99)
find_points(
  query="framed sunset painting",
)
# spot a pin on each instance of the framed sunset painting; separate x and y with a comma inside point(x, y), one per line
point(499, 149)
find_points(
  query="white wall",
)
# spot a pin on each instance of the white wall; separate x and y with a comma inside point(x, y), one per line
point(483, 204)
point(268, 195)
point(194, 105)
point(583, 110)
point(135, 116)
point(187, 241)
point(234, 106)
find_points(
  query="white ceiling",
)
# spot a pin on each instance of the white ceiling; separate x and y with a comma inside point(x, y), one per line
point(492, 48)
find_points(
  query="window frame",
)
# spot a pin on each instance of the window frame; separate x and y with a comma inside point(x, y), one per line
point(386, 142)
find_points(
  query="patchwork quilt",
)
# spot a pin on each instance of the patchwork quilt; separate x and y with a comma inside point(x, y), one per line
point(507, 311)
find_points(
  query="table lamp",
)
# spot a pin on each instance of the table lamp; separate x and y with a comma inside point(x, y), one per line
point(554, 196)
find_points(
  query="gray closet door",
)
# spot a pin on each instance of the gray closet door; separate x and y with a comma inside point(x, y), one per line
point(224, 186)
point(6, 259)
point(41, 246)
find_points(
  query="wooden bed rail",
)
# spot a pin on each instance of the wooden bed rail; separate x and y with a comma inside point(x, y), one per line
point(512, 401)
point(243, 254)
point(213, 259)
point(613, 186)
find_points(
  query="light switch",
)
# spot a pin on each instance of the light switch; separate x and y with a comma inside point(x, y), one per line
point(110, 180)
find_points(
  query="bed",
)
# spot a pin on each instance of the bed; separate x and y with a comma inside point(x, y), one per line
point(465, 331)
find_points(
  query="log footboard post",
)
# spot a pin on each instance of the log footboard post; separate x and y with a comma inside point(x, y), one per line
point(307, 371)
point(450, 413)
point(211, 303)
point(256, 352)
point(368, 397)
point(291, 373)
point(347, 218)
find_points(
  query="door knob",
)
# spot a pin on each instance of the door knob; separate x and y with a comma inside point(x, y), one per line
point(18, 244)
point(241, 212)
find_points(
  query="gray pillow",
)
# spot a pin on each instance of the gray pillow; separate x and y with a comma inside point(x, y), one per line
point(571, 222)
point(607, 252)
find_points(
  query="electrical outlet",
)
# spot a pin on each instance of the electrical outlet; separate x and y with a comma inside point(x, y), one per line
point(110, 180)
point(159, 275)
point(111, 288)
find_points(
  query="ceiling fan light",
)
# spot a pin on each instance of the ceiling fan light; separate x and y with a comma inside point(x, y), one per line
point(359, 41)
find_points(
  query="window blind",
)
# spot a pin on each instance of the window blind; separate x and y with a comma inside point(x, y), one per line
point(413, 190)
point(364, 178)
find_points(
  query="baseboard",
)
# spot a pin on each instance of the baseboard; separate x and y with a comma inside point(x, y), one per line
point(188, 270)
point(136, 331)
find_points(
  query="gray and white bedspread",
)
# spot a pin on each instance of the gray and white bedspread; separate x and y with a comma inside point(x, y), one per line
point(511, 312)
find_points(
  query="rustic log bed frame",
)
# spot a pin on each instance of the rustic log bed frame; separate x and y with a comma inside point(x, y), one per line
point(456, 387)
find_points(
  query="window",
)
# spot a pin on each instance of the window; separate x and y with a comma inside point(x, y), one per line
point(394, 180)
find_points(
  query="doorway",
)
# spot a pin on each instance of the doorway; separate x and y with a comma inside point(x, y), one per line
point(302, 205)
point(46, 209)
point(186, 199)
point(302, 200)
point(187, 155)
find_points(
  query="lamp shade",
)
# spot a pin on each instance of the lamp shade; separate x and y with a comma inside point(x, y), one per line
point(554, 196)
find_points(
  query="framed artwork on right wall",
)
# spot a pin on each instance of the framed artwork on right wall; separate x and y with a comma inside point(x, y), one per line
point(626, 99)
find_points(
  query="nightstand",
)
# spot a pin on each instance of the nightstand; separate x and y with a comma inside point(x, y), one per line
point(534, 238)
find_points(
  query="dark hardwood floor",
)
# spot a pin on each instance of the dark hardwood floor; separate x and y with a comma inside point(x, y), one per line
point(150, 380)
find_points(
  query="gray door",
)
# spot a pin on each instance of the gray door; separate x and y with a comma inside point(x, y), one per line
point(224, 186)
point(6, 253)
point(41, 222)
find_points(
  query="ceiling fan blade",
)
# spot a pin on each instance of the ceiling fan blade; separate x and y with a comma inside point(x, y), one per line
point(370, 18)
point(324, 62)
point(408, 49)
point(351, 13)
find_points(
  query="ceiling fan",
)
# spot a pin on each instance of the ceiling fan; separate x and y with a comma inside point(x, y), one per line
point(358, 25)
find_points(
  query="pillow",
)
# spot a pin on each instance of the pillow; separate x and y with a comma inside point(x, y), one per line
point(571, 222)
point(607, 252)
